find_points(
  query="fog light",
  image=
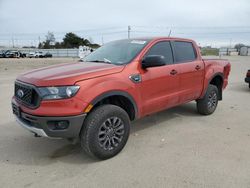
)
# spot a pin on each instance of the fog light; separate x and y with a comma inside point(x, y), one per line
point(58, 125)
point(62, 125)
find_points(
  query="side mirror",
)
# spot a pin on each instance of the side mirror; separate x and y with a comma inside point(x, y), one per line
point(153, 61)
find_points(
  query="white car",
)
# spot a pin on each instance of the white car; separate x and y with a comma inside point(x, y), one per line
point(31, 55)
point(36, 55)
point(39, 54)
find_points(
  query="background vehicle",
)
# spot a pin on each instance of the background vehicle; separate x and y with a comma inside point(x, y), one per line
point(18, 54)
point(48, 54)
point(22, 54)
point(247, 79)
point(9, 54)
point(12, 54)
point(2, 54)
point(31, 55)
point(36, 55)
point(39, 55)
point(84, 51)
point(124, 80)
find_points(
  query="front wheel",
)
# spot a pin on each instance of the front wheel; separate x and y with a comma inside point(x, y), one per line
point(208, 103)
point(105, 131)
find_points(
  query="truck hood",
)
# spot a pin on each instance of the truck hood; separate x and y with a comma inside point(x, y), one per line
point(68, 74)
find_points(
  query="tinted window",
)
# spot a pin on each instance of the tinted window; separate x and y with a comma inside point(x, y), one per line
point(164, 49)
point(184, 51)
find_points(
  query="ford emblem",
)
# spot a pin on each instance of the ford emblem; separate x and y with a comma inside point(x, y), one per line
point(20, 93)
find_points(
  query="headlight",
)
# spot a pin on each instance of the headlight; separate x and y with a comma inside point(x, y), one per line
point(62, 92)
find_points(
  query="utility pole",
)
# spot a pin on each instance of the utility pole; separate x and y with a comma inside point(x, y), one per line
point(102, 40)
point(39, 41)
point(129, 30)
point(13, 43)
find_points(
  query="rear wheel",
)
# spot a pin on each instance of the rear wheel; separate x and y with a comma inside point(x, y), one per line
point(208, 103)
point(105, 131)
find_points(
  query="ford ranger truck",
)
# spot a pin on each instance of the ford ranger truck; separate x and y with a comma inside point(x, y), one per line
point(94, 101)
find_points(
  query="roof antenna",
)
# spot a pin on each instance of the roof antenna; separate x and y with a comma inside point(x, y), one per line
point(169, 34)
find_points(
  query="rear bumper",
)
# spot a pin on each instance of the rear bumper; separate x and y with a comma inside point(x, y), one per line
point(247, 79)
point(47, 126)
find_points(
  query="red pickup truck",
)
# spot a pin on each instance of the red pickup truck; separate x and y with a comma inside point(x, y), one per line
point(95, 100)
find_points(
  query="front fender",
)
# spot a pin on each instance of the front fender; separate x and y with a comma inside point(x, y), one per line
point(95, 89)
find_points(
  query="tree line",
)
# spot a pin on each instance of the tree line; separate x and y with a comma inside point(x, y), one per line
point(70, 40)
point(239, 46)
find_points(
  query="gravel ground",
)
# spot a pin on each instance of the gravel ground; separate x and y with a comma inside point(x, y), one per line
point(173, 148)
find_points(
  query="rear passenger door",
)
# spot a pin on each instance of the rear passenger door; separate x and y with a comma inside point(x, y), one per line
point(191, 70)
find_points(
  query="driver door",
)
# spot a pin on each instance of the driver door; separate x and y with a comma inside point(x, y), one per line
point(159, 86)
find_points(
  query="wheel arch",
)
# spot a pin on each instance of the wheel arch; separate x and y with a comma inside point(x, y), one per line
point(217, 79)
point(120, 98)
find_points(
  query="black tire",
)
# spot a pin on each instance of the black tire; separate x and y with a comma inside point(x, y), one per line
point(207, 105)
point(105, 131)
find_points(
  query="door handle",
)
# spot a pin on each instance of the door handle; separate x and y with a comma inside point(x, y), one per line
point(173, 72)
point(198, 67)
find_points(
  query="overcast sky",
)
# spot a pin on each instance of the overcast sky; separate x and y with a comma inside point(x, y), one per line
point(209, 22)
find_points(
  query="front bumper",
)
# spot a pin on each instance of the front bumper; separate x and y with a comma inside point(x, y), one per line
point(42, 125)
point(247, 79)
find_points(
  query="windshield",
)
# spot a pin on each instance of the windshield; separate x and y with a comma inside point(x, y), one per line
point(117, 52)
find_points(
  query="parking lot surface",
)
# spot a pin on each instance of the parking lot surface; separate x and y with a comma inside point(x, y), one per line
point(173, 148)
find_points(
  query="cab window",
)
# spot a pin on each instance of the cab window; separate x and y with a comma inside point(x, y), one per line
point(184, 52)
point(163, 49)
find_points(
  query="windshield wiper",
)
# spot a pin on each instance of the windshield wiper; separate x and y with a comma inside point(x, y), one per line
point(106, 60)
point(102, 61)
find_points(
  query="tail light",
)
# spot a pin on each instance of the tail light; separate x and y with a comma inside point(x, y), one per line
point(227, 69)
point(248, 73)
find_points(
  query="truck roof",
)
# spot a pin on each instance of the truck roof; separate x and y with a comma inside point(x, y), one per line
point(161, 38)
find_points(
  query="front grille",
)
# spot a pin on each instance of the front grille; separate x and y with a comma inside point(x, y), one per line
point(26, 94)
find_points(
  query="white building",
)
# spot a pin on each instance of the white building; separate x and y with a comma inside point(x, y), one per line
point(245, 51)
point(228, 51)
